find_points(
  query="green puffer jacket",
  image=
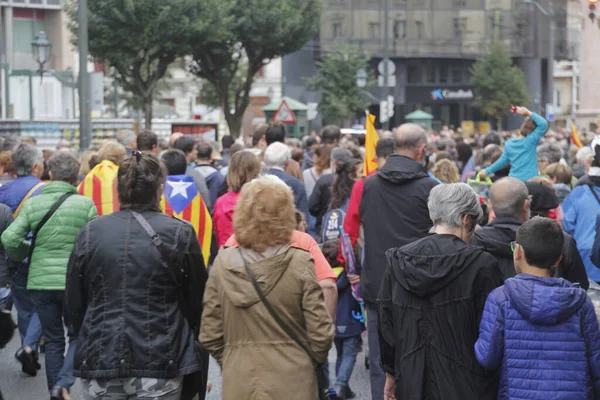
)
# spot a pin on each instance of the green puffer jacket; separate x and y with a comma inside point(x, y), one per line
point(55, 241)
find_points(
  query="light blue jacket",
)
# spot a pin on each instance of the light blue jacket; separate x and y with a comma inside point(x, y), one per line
point(522, 153)
point(580, 211)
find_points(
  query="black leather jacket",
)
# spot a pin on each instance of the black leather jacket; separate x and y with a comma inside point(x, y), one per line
point(123, 303)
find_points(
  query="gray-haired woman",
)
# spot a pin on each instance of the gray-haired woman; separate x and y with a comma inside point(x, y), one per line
point(430, 304)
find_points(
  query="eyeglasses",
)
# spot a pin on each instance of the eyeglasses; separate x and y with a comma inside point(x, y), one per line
point(513, 246)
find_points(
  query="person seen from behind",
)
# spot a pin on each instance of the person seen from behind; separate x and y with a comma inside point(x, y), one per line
point(540, 332)
point(446, 171)
point(244, 166)
point(204, 166)
point(55, 217)
point(521, 152)
point(348, 327)
point(346, 175)
point(561, 176)
point(138, 274)
point(430, 303)
point(237, 330)
point(188, 146)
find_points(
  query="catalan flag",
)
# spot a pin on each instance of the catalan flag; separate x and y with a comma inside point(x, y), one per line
point(182, 200)
point(370, 145)
point(100, 185)
point(575, 139)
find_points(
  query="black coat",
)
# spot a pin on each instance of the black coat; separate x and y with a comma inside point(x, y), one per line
point(394, 213)
point(6, 218)
point(123, 303)
point(496, 237)
point(430, 305)
point(320, 200)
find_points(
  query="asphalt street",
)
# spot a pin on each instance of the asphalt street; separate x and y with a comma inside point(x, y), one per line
point(17, 386)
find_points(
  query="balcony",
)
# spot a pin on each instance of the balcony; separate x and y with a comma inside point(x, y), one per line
point(44, 4)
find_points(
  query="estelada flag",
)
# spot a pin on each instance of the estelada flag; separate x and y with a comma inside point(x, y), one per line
point(100, 185)
point(370, 145)
point(182, 200)
point(575, 139)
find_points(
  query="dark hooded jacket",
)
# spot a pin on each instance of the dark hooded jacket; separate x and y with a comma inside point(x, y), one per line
point(497, 236)
point(430, 305)
point(543, 335)
point(394, 212)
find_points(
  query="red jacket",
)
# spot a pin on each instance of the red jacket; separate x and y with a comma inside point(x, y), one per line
point(223, 216)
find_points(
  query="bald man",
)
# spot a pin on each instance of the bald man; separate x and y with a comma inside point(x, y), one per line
point(393, 210)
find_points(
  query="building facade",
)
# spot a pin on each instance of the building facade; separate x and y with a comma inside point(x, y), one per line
point(433, 44)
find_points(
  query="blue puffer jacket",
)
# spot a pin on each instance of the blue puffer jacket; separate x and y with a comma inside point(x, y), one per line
point(544, 334)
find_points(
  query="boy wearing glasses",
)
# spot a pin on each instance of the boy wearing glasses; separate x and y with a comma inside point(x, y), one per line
point(542, 332)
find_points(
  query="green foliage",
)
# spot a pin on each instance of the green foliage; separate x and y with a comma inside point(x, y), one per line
point(250, 34)
point(141, 38)
point(499, 83)
point(336, 80)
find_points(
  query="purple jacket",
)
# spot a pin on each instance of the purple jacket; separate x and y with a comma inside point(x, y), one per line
point(543, 333)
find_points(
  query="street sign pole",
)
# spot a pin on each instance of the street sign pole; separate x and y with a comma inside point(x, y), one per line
point(386, 56)
point(85, 118)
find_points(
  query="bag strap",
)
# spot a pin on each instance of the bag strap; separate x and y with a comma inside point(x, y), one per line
point(27, 196)
point(274, 314)
point(46, 218)
point(167, 259)
point(594, 193)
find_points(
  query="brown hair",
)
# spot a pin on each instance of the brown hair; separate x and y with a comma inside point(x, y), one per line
point(6, 162)
point(85, 159)
point(243, 167)
point(324, 158)
point(543, 181)
point(140, 178)
point(560, 172)
point(527, 127)
point(264, 214)
point(446, 171)
point(112, 151)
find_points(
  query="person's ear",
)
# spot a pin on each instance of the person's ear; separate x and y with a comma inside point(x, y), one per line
point(558, 260)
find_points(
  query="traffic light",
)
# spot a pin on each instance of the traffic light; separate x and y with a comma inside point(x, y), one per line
point(592, 7)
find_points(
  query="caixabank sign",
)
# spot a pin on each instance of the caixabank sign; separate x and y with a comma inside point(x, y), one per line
point(452, 94)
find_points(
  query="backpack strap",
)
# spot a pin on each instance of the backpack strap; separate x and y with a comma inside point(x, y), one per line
point(27, 196)
point(46, 218)
point(594, 193)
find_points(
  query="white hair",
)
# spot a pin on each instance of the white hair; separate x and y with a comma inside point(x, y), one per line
point(272, 180)
point(449, 203)
point(277, 155)
point(584, 154)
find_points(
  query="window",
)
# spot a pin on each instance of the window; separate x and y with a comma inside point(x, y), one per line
point(415, 74)
point(457, 75)
point(557, 98)
point(374, 29)
point(24, 33)
point(337, 30)
point(430, 73)
point(399, 29)
point(419, 29)
point(443, 71)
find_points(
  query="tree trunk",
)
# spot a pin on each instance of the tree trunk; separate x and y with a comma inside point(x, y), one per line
point(234, 122)
point(499, 123)
point(148, 113)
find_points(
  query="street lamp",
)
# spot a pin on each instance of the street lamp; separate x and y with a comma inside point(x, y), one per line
point(42, 49)
point(361, 78)
point(552, 29)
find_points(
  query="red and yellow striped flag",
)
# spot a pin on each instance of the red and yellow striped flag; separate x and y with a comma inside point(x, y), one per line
point(370, 145)
point(575, 139)
point(182, 200)
point(100, 185)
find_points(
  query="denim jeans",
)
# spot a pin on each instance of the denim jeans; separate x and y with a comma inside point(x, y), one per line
point(28, 321)
point(375, 371)
point(49, 305)
point(347, 351)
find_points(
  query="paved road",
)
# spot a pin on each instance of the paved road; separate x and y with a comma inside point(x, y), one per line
point(17, 386)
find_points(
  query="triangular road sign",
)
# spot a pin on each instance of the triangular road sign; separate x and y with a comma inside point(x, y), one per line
point(284, 114)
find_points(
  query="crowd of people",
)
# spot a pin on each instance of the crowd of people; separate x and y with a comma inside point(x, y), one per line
point(464, 259)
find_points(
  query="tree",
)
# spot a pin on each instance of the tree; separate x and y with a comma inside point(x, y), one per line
point(253, 32)
point(499, 84)
point(336, 80)
point(140, 39)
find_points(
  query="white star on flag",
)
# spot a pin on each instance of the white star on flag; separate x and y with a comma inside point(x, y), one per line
point(179, 188)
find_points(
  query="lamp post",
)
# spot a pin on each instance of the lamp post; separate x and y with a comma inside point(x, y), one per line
point(362, 78)
point(550, 14)
point(42, 51)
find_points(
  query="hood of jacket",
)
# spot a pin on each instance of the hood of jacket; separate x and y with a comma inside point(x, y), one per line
point(237, 285)
point(206, 170)
point(430, 264)
point(401, 169)
point(496, 236)
point(544, 301)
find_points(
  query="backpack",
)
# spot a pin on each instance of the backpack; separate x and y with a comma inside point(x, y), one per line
point(332, 223)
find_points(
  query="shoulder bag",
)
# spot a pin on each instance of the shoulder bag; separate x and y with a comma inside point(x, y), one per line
point(27, 196)
point(322, 380)
point(46, 218)
point(195, 383)
point(594, 193)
